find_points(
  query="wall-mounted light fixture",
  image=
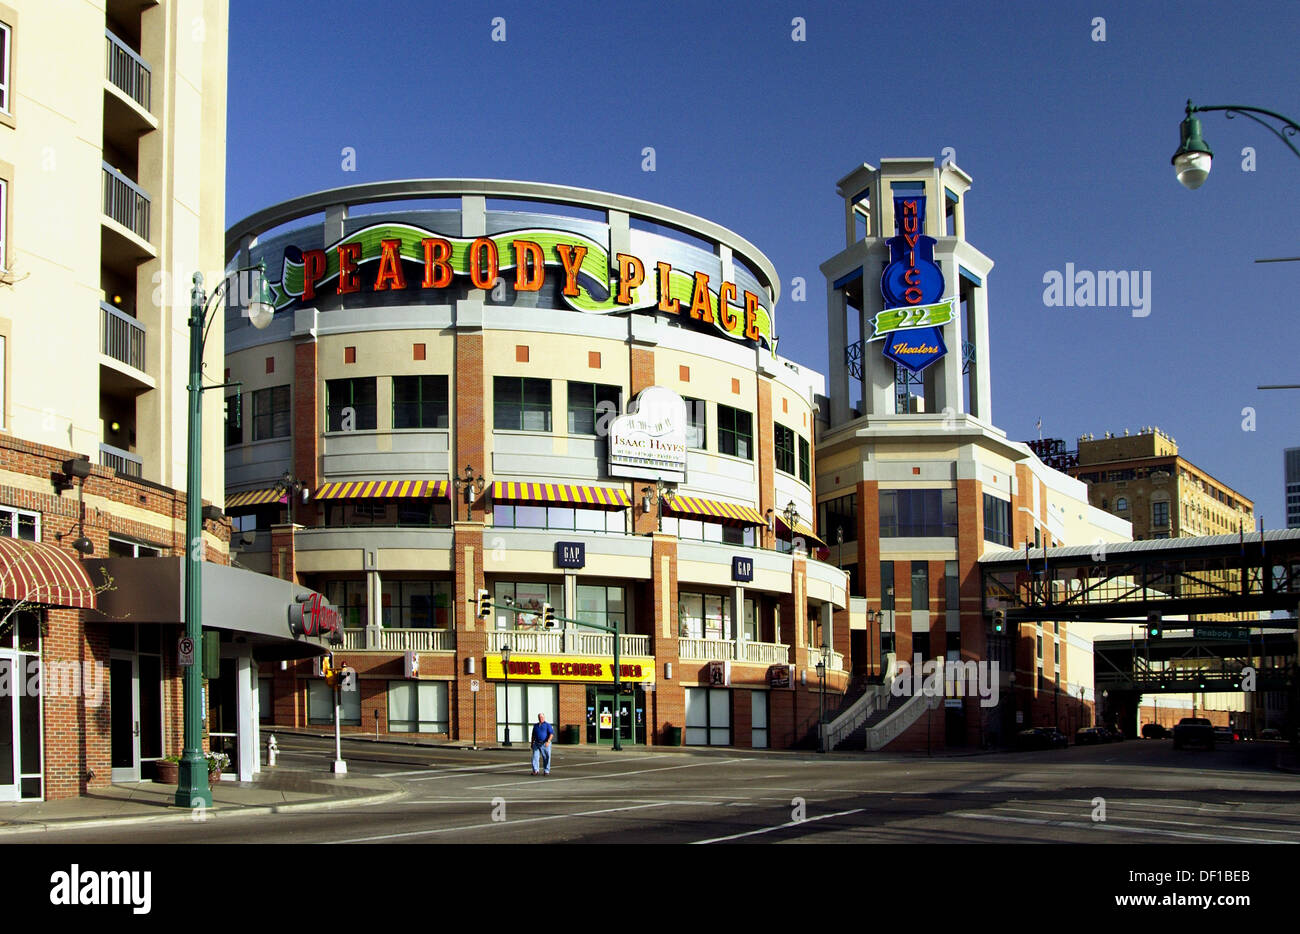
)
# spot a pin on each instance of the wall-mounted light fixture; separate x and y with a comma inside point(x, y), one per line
point(472, 485)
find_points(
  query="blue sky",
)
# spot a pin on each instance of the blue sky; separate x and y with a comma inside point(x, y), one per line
point(1068, 141)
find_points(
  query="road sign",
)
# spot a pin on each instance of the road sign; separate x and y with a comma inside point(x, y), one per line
point(185, 650)
point(1220, 632)
point(473, 686)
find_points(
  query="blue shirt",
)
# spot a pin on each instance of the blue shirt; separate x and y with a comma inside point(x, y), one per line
point(542, 732)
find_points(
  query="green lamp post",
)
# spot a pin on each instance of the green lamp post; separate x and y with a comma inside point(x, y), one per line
point(1193, 157)
point(192, 788)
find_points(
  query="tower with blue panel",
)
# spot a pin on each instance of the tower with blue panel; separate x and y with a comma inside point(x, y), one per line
point(906, 306)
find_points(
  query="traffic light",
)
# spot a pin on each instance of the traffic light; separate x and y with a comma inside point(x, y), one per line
point(1154, 628)
point(548, 616)
point(484, 605)
point(999, 621)
point(328, 671)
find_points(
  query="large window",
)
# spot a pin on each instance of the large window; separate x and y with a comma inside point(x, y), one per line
point(563, 518)
point(6, 68)
point(708, 616)
point(697, 425)
point(708, 717)
point(758, 720)
point(122, 548)
point(918, 513)
point(591, 406)
point(526, 598)
point(783, 444)
point(420, 402)
point(350, 404)
point(234, 420)
point(735, 432)
point(4, 228)
point(406, 513)
point(1160, 513)
point(350, 599)
point(602, 605)
point(997, 520)
point(320, 704)
point(699, 530)
point(20, 523)
point(417, 707)
point(416, 604)
point(526, 701)
point(521, 404)
point(805, 461)
point(840, 513)
point(271, 413)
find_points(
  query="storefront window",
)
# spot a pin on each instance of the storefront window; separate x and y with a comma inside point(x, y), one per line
point(526, 702)
point(708, 616)
point(416, 604)
point(402, 513)
point(699, 530)
point(562, 518)
point(758, 719)
point(349, 597)
point(918, 513)
point(417, 707)
point(320, 704)
point(526, 598)
point(708, 717)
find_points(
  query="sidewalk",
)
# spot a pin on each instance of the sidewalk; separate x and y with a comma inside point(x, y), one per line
point(276, 791)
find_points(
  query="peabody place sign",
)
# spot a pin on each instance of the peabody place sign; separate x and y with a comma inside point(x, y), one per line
point(401, 257)
point(566, 668)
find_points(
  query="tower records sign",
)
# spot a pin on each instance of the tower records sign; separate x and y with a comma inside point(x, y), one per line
point(650, 440)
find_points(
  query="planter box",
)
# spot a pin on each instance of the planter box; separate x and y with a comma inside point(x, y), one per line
point(167, 773)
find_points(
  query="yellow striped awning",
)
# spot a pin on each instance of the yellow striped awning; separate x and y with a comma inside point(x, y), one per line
point(595, 497)
point(802, 531)
point(698, 507)
point(383, 489)
point(253, 498)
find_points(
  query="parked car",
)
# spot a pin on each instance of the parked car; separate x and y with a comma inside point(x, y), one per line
point(1194, 731)
point(1270, 733)
point(1155, 731)
point(1226, 734)
point(1041, 737)
point(1090, 736)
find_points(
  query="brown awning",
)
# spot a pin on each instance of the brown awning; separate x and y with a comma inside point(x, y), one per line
point(35, 572)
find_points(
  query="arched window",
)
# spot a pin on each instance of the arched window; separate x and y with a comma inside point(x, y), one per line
point(1121, 504)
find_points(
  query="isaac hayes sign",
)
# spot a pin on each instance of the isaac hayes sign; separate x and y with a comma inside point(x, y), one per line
point(650, 440)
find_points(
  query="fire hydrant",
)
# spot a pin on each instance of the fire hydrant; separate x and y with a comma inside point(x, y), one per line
point(271, 751)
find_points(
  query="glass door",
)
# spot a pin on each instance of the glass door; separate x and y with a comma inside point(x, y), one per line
point(8, 731)
point(124, 718)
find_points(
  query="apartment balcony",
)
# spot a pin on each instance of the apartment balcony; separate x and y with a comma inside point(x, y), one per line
point(728, 650)
point(382, 639)
point(124, 462)
point(122, 345)
point(128, 96)
point(124, 238)
point(565, 642)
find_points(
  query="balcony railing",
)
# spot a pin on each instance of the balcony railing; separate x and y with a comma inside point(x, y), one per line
point(129, 72)
point(121, 336)
point(125, 202)
point(381, 639)
point(124, 462)
point(565, 642)
point(723, 650)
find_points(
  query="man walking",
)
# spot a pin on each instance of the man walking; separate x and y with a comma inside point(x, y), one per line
point(543, 733)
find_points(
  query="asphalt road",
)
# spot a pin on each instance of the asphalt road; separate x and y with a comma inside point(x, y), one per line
point(1133, 792)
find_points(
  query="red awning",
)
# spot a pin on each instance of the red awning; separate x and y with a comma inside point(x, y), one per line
point(39, 573)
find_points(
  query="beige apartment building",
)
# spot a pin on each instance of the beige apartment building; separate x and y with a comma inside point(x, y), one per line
point(112, 181)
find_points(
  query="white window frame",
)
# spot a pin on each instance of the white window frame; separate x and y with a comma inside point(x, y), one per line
point(14, 512)
point(6, 68)
point(4, 228)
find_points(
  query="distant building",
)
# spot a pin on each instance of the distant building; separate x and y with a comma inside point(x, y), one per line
point(1293, 488)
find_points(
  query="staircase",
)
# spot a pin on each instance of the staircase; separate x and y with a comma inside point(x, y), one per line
point(877, 716)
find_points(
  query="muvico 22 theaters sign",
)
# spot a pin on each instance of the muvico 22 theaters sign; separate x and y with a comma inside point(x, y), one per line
point(912, 285)
point(391, 257)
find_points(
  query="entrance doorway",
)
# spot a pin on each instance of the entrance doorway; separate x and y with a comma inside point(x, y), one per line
point(602, 703)
point(135, 700)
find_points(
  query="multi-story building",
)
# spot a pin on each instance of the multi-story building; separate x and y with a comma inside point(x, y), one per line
point(914, 472)
point(558, 397)
point(1143, 478)
point(1291, 459)
point(112, 165)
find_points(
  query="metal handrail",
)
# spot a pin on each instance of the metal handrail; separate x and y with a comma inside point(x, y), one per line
point(128, 71)
point(124, 462)
point(126, 202)
point(121, 336)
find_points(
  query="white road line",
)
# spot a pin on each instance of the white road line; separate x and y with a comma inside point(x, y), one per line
point(1102, 825)
point(591, 778)
point(1199, 808)
point(793, 823)
point(501, 823)
point(462, 768)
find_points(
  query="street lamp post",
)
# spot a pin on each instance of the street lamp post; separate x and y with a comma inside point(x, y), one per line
point(1193, 157)
point(505, 671)
point(821, 704)
point(473, 486)
point(192, 788)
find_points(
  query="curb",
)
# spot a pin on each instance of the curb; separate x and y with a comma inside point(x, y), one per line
point(234, 810)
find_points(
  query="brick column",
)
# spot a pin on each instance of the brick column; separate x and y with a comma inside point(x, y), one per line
point(974, 628)
point(642, 360)
point(283, 556)
point(667, 704)
point(306, 427)
point(869, 565)
point(765, 451)
point(471, 637)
